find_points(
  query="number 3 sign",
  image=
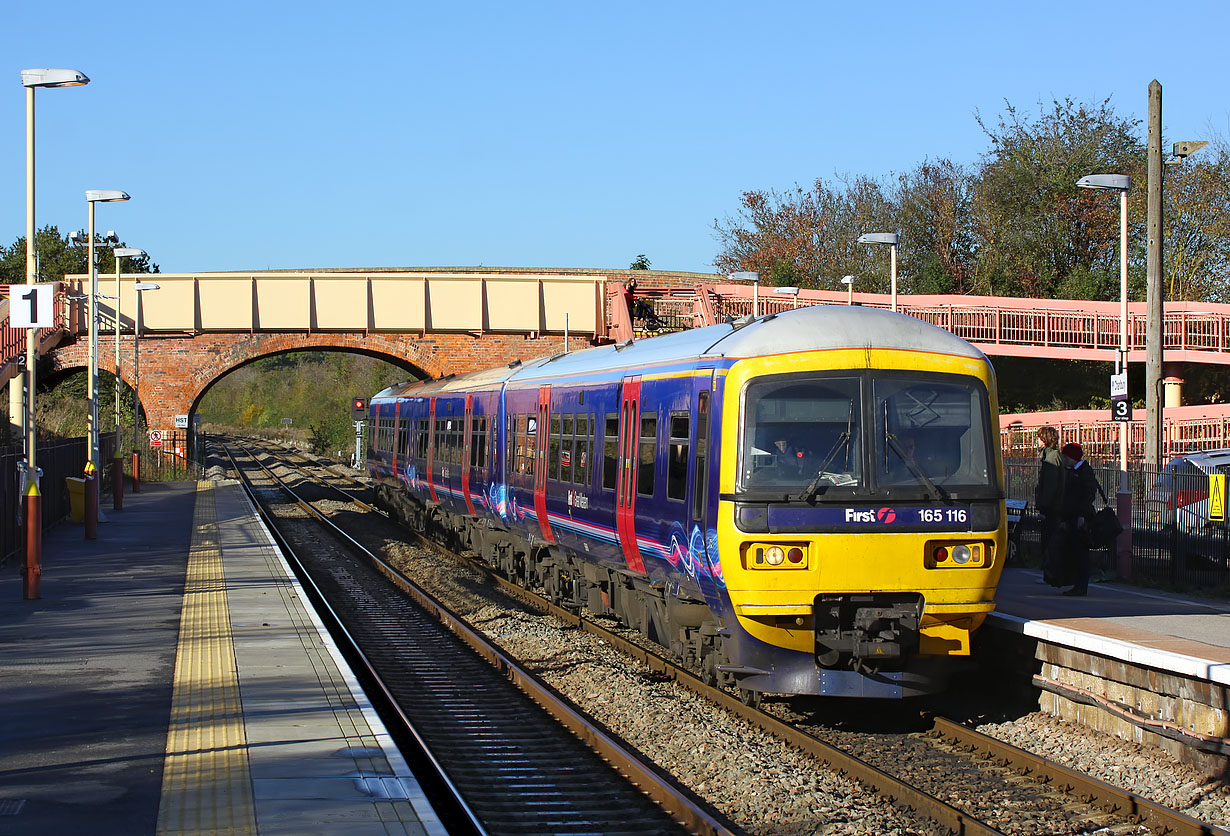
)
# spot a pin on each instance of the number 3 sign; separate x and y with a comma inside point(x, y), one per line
point(30, 306)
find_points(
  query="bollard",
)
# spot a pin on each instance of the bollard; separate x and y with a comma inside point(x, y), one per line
point(136, 471)
point(91, 501)
point(32, 572)
point(117, 482)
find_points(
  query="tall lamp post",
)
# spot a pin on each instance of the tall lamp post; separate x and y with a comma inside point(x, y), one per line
point(890, 238)
point(139, 287)
point(754, 278)
point(117, 466)
point(93, 196)
point(33, 571)
point(1120, 183)
point(848, 281)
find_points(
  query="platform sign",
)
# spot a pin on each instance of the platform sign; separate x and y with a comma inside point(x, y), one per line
point(1120, 406)
point(1217, 497)
point(181, 422)
point(30, 306)
point(155, 438)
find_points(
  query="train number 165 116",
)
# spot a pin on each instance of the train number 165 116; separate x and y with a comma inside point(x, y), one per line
point(943, 515)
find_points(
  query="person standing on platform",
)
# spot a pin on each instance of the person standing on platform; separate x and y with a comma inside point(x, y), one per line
point(1048, 500)
point(1079, 488)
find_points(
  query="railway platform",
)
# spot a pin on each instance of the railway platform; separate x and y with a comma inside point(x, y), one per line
point(171, 680)
point(1146, 665)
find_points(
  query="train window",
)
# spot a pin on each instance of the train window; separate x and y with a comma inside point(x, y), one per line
point(677, 463)
point(800, 430)
point(931, 429)
point(403, 437)
point(478, 443)
point(565, 448)
point(700, 481)
point(580, 461)
point(553, 448)
point(531, 443)
point(610, 452)
point(647, 453)
point(423, 425)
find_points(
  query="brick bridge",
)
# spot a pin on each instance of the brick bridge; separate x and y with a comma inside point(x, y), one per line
point(198, 327)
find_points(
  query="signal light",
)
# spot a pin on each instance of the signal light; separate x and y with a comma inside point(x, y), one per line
point(358, 409)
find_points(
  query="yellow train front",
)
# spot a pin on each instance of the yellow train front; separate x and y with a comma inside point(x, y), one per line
point(859, 516)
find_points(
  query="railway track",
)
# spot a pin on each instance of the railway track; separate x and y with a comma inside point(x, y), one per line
point(517, 757)
point(998, 785)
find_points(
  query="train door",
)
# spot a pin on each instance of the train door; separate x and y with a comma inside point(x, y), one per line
point(625, 487)
point(396, 437)
point(700, 475)
point(467, 450)
point(540, 466)
point(431, 449)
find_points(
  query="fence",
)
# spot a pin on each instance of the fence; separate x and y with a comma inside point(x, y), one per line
point(1174, 546)
point(59, 460)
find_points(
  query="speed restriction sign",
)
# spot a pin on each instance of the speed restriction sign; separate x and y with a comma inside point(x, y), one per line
point(155, 438)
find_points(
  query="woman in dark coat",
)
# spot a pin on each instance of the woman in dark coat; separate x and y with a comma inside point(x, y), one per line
point(1079, 488)
point(1048, 500)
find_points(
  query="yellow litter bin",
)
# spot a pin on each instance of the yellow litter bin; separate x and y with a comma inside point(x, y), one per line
point(76, 497)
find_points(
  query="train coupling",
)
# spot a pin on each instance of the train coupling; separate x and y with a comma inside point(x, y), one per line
point(869, 632)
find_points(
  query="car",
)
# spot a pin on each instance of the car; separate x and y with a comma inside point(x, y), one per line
point(1180, 496)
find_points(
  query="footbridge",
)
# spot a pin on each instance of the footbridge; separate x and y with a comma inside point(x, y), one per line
point(436, 321)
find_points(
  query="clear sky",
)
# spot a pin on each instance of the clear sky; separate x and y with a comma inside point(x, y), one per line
point(256, 135)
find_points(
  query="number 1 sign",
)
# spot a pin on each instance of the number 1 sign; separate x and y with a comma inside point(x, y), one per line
point(30, 306)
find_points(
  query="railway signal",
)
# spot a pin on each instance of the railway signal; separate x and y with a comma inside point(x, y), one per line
point(358, 409)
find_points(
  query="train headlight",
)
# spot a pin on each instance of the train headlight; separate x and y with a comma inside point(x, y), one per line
point(950, 555)
point(775, 555)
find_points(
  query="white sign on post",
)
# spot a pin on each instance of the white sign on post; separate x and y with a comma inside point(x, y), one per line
point(181, 422)
point(1118, 385)
point(30, 306)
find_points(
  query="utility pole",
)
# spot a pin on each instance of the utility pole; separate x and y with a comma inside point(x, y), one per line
point(1154, 333)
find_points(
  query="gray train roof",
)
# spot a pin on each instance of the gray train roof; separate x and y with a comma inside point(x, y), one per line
point(813, 328)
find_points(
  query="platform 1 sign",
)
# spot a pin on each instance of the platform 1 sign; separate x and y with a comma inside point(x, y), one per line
point(31, 306)
point(1120, 406)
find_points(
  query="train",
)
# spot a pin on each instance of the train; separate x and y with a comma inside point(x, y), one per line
point(808, 502)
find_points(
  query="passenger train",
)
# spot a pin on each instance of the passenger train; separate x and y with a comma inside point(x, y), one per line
point(809, 502)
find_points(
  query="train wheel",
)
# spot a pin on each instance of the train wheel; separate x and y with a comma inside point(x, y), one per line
point(750, 698)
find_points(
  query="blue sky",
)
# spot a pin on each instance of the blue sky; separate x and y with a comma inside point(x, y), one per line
point(256, 135)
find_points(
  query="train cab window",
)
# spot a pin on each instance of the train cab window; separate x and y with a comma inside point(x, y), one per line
point(580, 453)
point(931, 429)
point(677, 463)
point(647, 453)
point(553, 448)
point(610, 452)
point(565, 448)
point(800, 430)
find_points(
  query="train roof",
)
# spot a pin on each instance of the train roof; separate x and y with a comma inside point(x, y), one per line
point(812, 328)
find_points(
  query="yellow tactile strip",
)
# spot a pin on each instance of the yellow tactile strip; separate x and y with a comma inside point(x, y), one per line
point(206, 781)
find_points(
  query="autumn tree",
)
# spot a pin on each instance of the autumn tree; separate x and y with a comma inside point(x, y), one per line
point(1197, 226)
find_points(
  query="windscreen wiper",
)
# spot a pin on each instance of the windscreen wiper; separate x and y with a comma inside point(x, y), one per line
point(811, 490)
point(933, 489)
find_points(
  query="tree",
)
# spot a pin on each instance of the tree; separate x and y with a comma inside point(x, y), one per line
point(1197, 226)
point(641, 262)
point(57, 259)
point(938, 237)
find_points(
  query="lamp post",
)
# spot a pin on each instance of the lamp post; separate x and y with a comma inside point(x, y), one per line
point(33, 513)
point(117, 467)
point(1120, 183)
point(890, 238)
point(788, 291)
point(93, 196)
point(139, 287)
point(848, 281)
point(754, 278)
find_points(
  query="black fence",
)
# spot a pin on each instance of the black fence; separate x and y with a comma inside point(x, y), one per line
point(1177, 542)
point(59, 461)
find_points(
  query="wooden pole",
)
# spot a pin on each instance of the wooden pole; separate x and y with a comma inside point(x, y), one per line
point(1154, 326)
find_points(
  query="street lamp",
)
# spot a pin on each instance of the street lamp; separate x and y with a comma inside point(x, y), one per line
point(117, 472)
point(1120, 183)
point(754, 278)
point(890, 238)
point(788, 291)
point(139, 287)
point(33, 513)
point(93, 196)
point(848, 281)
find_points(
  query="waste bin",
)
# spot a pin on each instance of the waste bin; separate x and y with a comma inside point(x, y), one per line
point(76, 497)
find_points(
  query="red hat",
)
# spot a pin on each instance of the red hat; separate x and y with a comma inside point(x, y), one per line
point(1073, 451)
